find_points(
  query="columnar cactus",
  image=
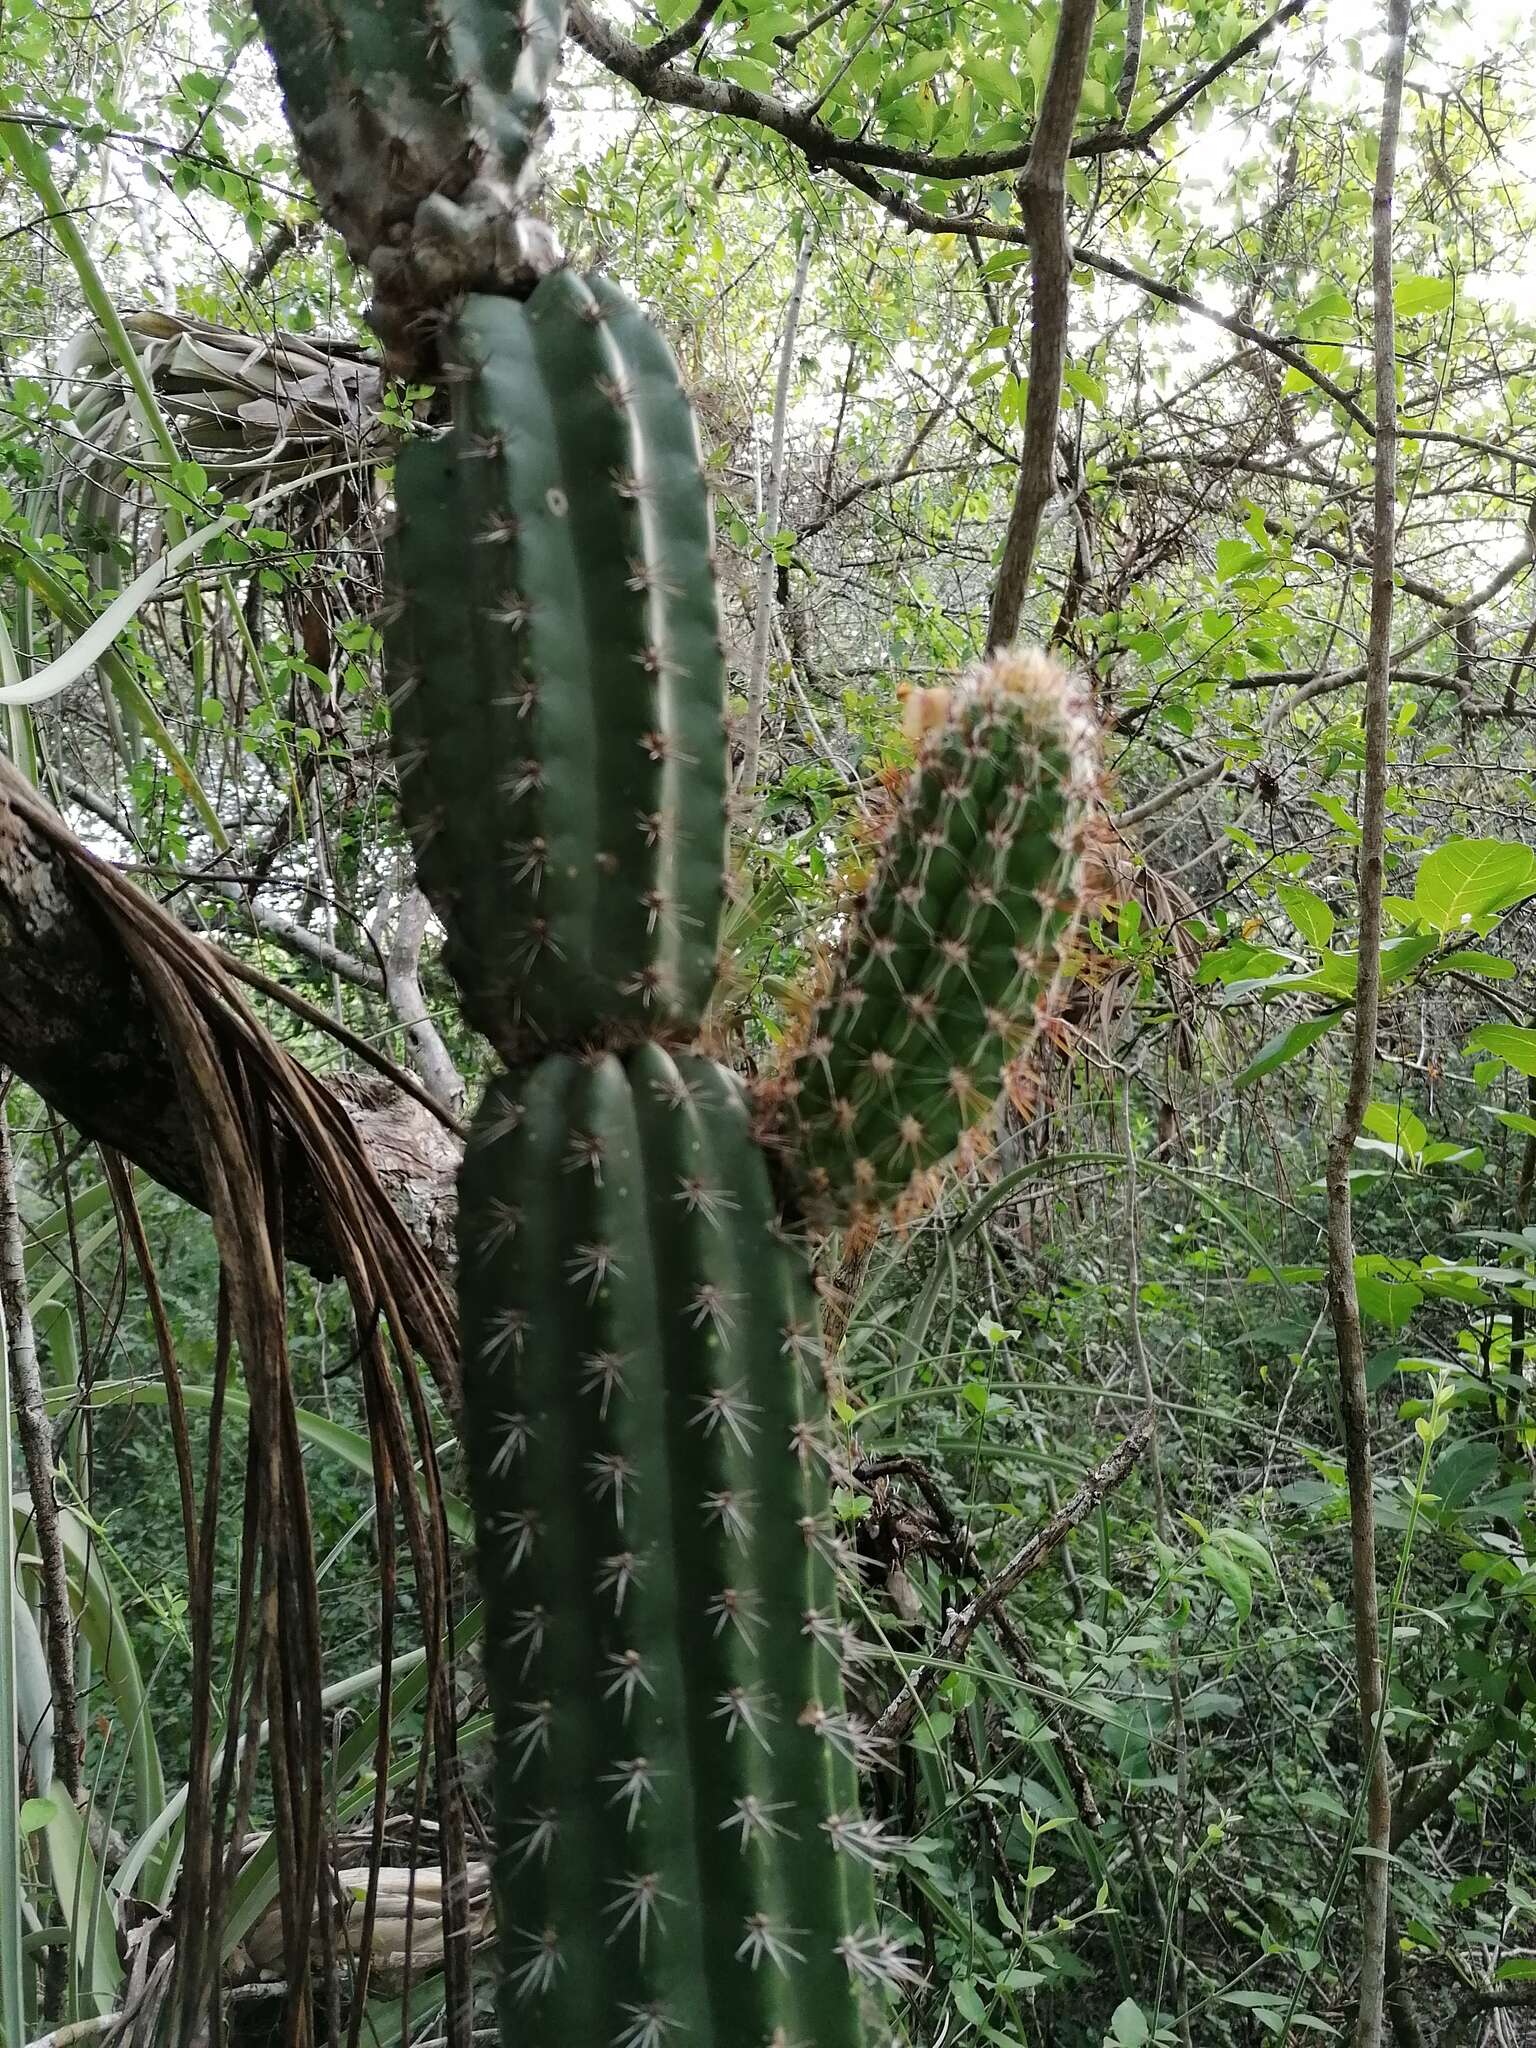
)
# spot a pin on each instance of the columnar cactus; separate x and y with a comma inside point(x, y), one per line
point(681, 1851)
point(955, 950)
point(554, 585)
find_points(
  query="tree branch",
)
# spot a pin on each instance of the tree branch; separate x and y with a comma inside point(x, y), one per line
point(1171, 109)
point(772, 502)
point(681, 38)
point(639, 66)
point(1343, 1293)
point(1043, 201)
point(76, 1026)
point(1031, 1554)
point(402, 976)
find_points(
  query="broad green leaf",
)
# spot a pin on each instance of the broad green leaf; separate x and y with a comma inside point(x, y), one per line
point(1445, 1153)
point(1129, 2027)
point(1469, 879)
point(1224, 1571)
point(995, 79)
point(1234, 557)
point(1491, 966)
point(1466, 1889)
point(1402, 957)
point(1391, 1302)
point(1241, 962)
point(1289, 1045)
point(1515, 1044)
point(1398, 1126)
point(1241, 1543)
point(1414, 295)
point(1330, 305)
point(1307, 911)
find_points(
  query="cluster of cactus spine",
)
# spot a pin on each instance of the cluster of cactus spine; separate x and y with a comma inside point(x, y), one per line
point(681, 1852)
point(954, 952)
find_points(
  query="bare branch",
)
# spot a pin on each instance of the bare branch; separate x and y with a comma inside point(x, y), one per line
point(1343, 1293)
point(652, 76)
point(773, 499)
point(1031, 1554)
point(402, 974)
point(1043, 201)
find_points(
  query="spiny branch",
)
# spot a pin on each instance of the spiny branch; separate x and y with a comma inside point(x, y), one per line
point(919, 1687)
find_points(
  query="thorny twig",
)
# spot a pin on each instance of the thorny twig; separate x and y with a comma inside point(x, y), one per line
point(918, 1687)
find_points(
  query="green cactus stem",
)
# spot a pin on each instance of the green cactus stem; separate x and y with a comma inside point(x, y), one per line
point(555, 666)
point(954, 951)
point(417, 122)
point(681, 1851)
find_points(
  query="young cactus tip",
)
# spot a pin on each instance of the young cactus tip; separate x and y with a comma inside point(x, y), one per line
point(955, 951)
point(1054, 699)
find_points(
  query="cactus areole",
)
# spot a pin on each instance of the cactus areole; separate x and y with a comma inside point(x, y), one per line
point(681, 1851)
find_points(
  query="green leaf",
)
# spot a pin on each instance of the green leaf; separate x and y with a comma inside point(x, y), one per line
point(1515, 1044)
point(1412, 296)
point(1240, 962)
point(86, 1906)
point(1330, 305)
point(995, 79)
point(1086, 386)
point(36, 1813)
point(1129, 2027)
point(1466, 1889)
point(1398, 1126)
point(1515, 1970)
point(1403, 956)
point(1234, 557)
point(1225, 1572)
point(1468, 879)
point(1290, 1044)
point(1307, 911)
point(1338, 811)
point(1492, 966)
point(1387, 1301)
point(1445, 1152)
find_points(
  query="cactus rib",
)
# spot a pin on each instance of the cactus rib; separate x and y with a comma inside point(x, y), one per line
point(672, 1792)
point(557, 636)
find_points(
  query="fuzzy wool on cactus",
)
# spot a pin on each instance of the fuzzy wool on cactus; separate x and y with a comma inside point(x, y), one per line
point(955, 951)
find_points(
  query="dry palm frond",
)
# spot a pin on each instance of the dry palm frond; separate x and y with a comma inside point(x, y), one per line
point(247, 1101)
point(252, 410)
point(410, 1918)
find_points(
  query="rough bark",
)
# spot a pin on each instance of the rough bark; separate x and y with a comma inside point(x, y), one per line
point(1343, 1294)
point(76, 1027)
point(1043, 202)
